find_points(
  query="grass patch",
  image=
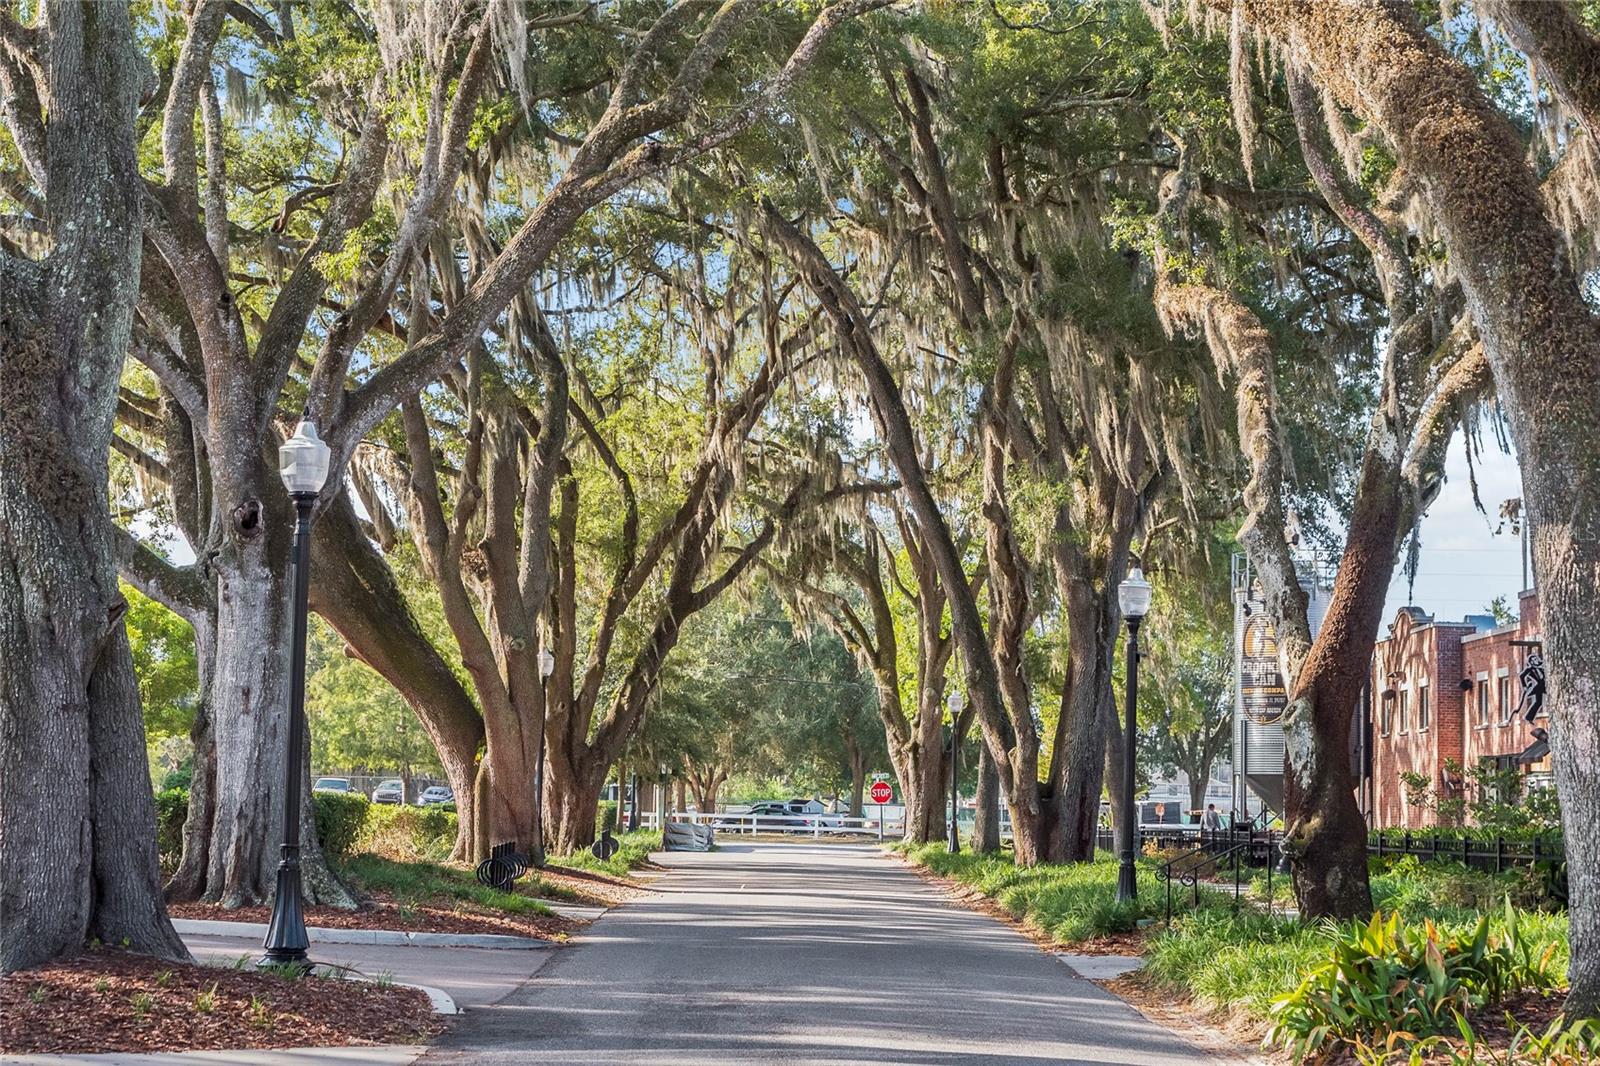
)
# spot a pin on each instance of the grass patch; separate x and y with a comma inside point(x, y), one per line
point(634, 851)
point(422, 882)
point(1069, 903)
point(1233, 963)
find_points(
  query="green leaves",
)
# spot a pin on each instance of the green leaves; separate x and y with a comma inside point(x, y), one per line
point(1383, 982)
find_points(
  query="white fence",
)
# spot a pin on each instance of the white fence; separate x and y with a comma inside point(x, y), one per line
point(812, 825)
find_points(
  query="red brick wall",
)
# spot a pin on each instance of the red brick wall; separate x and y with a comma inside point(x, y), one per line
point(1418, 654)
point(1418, 650)
point(1489, 654)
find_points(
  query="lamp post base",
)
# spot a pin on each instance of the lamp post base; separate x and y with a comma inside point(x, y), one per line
point(286, 943)
point(1127, 880)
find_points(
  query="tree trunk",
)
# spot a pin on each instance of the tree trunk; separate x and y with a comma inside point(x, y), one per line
point(986, 816)
point(77, 818)
point(1541, 340)
point(248, 708)
point(1197, 792)
point(355, 591)
point(924, 800)
point(858, 782)
point(1114, 775)
point(571, 805)
point(1078, 766)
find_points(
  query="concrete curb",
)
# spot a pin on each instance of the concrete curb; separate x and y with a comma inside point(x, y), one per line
point(581, 912)
point(380, 937)
point(1100, 967)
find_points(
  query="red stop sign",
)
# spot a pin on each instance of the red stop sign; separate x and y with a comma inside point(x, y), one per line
point(882, 792)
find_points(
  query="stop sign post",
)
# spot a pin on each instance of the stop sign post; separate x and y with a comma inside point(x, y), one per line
point(881, 792)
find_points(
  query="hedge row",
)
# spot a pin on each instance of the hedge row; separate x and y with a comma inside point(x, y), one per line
point(346, 822)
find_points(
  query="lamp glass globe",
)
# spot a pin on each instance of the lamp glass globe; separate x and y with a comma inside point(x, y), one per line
point(1133, 595)
point(303, 460)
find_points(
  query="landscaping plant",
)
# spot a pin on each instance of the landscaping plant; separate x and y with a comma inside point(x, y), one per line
point(1384, 980)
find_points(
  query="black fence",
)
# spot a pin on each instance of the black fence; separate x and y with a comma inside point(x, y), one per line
point(1496, 853)
point(1192, 854)
point(1480, 853)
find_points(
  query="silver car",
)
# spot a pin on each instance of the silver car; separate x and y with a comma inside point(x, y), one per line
point(434, 795)
point(390, 791)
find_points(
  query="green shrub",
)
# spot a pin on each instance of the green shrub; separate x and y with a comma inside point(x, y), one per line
point(408, 834)
point(172, 808)
point(340, 816)
point(1071, 902)
point(1238, 962)
point(634, 850)
point(605, 817)
point(418, 883)
point(179, 778)
point(1451, 891)
point(1383, 977)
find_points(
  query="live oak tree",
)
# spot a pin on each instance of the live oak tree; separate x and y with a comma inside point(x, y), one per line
point(881, 588)
point(1074, 402)
point(77, 840)
point(1186, 709)
point(1539, 334)
point(234, 341)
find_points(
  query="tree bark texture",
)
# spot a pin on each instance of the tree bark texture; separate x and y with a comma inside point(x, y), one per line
point(1542, 342)
point(986, 804)
point(77, 820)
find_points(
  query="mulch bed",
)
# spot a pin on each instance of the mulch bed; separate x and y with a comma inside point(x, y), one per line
point(110, 1000)
point(383, 912)
point(591, 887)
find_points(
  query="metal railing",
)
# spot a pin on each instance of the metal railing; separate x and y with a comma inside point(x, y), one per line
point(1237, 849)
point(812, 825)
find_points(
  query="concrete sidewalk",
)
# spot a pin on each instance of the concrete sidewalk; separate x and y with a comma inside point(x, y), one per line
point(474, 977)
point(317, 934)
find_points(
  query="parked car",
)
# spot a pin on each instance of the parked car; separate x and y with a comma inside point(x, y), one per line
point(332, 784)
point(390, 791)
point(781, 817)
point(434, 795)
point(814, 811)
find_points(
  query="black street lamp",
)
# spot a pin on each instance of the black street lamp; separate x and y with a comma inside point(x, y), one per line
point(547, 666)
point(1133, 595)
point(303, 466)
point(955, 701)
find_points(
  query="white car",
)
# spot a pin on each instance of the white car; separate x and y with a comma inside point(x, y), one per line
point(331, 784)
point(434, 795)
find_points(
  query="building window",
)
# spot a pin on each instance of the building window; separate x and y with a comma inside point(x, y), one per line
point(1506, 706)
point(1483, 702)
point(1422, 709)
point(1386, 713)
point(1404, 700)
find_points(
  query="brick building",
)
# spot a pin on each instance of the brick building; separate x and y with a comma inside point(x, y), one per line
point(1449, 692)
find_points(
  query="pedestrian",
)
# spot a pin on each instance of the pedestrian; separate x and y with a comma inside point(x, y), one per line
point(1211, 821)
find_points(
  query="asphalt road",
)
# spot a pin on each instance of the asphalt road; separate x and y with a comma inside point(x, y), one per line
point(805, 953)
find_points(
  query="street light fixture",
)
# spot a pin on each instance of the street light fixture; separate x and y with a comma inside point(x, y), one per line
point(547, 666)
point(1133, 596)
point(303, 465)
point(956, 701)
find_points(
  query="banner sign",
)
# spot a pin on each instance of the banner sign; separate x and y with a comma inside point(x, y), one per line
point(1260, 678)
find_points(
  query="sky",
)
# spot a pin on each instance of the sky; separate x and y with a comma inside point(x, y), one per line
point(1464, 564)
